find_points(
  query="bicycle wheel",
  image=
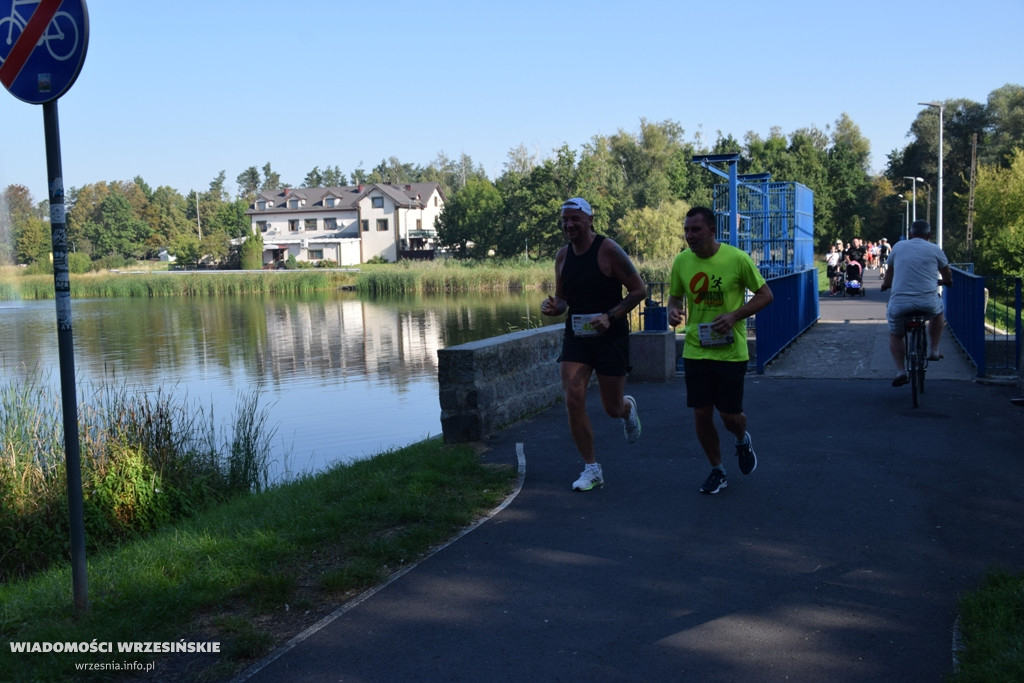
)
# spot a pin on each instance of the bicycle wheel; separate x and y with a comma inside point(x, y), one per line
point(913, 364)
point(61, 36)
point(10, 29)
point(922, 357)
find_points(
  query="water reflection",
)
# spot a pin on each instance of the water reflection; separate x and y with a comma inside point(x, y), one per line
point(343, 377)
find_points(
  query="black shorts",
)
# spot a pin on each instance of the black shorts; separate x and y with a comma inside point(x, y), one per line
point(607, 355)
point(715, 383)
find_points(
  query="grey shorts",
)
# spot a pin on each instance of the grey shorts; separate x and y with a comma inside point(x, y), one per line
point(900, 309)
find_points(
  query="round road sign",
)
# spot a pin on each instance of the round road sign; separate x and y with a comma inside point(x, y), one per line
point(42, 47)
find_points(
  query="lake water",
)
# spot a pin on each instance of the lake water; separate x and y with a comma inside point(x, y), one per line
point(341, 378)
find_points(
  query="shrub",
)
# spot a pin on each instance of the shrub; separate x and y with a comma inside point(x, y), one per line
point(79, 262)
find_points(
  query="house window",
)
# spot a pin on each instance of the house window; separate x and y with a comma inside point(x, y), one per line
point(330, 224)
point(315, 254)
point(293, 203)
point(378, 202)
point(366, 225)
point(382, 225)
point(310, 224)
point(329, 202)
point(435, 201)
point(419, 223)
point(261, 205)
point(293, 225)
point(261, 226)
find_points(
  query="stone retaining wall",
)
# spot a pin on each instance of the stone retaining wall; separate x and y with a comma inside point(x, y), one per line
point(487, 384)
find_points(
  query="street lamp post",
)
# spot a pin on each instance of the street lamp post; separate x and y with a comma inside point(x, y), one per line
point(914, 180)
point(906, 217)
point(928, 205)
point(938, 218)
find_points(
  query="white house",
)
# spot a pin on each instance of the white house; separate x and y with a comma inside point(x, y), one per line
point(349, 225)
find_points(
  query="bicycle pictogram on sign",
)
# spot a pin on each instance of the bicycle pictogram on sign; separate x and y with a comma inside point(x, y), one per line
point(42, 46)
point(60, 35)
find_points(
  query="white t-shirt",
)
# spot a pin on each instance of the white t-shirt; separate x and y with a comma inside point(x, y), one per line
point(916, 263)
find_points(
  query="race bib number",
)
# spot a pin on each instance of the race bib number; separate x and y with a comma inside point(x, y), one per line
point(710, 338)
point(581, 326)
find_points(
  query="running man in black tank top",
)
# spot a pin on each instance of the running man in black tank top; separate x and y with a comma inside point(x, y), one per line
point(590, 273)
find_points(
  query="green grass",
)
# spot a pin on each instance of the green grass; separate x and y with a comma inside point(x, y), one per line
point(992, 630)
point(145, 461)
point(243, 573)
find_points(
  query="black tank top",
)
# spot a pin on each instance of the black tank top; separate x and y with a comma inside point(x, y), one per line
point(588, 290)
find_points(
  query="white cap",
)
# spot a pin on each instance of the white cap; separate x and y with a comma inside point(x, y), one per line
point(578, 203)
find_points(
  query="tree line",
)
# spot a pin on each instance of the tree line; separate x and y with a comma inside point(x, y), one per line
point(640, 184)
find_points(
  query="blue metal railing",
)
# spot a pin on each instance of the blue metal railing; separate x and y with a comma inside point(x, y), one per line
point(794, 309)
point(993, 342)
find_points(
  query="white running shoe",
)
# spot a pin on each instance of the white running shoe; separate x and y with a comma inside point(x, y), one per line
point(589, 478)
point(631, 424)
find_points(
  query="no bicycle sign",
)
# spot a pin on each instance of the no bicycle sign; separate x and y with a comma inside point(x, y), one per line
point(42, 47)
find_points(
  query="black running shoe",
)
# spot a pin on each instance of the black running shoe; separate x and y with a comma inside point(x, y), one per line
point(715, 482)
point(745, 452)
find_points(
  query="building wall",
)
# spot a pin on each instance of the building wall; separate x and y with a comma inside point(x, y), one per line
point(402, 223)
point(377, 242)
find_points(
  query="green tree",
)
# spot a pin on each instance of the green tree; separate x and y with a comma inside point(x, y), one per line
point(393, 171)
point(118, 232)
point(186, 249)
point(848, 178)
point(32, 240)
point(1006, 121)
point(450, 174)
point(251, 254)
point(15, 212)
point(650, 233)
point(333, 176)
point(533, 203)
point(18, 200)
point(315, 178)
point(999, 218)
point(144, 187)
point(469, 222)
point(229, 218)
point(271, 180)
point(166, 217)
point(248, 182)
point(83, 212)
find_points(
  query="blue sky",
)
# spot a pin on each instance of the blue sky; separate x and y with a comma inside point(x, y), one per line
point(178, 91)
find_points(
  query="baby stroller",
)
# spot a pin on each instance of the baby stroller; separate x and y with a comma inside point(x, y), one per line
point(854, 280)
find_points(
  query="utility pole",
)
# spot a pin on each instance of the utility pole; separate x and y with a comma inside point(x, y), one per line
point(970, 197)
point(198, 222)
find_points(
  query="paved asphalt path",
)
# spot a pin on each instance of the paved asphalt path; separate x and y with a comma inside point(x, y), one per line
point(841, 558)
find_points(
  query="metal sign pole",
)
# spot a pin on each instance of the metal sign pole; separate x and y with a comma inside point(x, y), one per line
point(66, 350)
point(41, 55)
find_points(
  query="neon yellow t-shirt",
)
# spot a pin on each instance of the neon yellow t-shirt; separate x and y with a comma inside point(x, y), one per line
point(711, 287)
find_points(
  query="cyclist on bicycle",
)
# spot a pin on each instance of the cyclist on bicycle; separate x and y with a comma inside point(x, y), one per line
point(912, 267)
point(883, 257)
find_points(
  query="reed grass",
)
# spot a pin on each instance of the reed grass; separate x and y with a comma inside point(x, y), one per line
point(428, 277)
point(146, 460)
point(404, 277)
point(168, 284)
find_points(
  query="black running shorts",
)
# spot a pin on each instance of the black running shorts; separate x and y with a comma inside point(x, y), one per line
point(607, 355)
point(715, 383)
